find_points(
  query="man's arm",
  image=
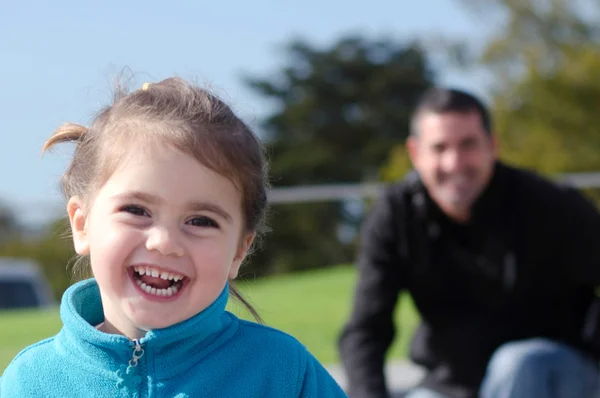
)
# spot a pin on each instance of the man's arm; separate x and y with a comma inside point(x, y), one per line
point(579, 236)
point(370, 330)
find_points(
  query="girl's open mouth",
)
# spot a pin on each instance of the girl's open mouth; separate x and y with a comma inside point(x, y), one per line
point(157, 284)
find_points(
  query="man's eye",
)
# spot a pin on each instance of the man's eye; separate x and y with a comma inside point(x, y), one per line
point(469, 144)
point(439, 148)
point(203, 222)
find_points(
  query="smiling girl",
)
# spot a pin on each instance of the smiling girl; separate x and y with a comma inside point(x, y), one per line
point(166, 193)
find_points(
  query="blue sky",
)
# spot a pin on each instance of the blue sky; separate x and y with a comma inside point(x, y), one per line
point(58, 57)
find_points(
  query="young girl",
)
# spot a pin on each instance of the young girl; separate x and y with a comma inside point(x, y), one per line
point(166, 193)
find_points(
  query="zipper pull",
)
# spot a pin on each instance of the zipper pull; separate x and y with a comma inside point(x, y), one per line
point(138, 352)
point(127, 379)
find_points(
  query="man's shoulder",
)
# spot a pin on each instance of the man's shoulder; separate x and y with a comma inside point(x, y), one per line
point(530, 183)
point(402, 189)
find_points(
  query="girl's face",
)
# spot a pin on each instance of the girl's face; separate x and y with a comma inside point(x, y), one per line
point(164, 235)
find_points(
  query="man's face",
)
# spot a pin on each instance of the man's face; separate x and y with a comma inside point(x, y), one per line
point(454, 157)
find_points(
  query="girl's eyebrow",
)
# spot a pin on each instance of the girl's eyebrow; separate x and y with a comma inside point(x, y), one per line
point(194, 206)
point(212, 207)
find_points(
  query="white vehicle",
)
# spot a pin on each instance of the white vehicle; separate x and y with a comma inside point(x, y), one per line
point(23, 285)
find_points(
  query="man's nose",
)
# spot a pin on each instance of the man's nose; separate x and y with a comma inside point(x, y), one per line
point(451, 160)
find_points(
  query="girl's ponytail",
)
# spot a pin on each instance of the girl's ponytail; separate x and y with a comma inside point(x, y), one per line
point(66, 132)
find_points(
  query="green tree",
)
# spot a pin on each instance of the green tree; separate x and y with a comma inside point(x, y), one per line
point(538, 34)
point(53, 251)
point(338, 113)
point(9, 226)
point(549, 122)
point(545, 62)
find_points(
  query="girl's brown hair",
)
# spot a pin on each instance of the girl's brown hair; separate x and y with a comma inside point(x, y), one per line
point(183, 116)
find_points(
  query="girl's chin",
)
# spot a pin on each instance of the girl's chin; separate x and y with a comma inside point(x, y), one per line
point(147, 319)
point(146, 325)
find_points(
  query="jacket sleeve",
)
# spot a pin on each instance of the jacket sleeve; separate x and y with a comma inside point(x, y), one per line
point(318, 382)
point(370, 330)
point(579, 236)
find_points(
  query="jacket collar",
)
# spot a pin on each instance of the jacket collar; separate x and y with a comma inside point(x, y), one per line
point(81, 310)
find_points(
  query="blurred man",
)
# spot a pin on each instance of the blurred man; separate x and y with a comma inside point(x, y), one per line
point(500, 263)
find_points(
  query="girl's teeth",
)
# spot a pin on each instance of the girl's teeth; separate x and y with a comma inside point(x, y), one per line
point(157, 292)
point(157, 274)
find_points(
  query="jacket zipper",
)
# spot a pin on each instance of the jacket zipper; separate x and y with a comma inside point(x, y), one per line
point(138, 352)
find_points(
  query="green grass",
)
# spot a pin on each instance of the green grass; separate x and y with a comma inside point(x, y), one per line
point(311, 306)
point(20, 329)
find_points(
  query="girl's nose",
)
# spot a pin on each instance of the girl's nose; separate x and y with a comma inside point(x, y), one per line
point(164, 242)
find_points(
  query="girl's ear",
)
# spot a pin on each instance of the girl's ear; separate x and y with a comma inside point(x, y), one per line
point(78, 221)
point(245, 244)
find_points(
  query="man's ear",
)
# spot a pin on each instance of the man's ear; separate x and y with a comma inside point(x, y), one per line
point(78, 221)
point(495, 143)
point(411, 149)
point(244, 246)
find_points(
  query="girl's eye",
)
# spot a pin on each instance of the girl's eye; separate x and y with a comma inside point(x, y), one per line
point(203, 222)
point(135, 210)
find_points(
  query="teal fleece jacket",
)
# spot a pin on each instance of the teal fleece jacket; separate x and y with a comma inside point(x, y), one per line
point(213, 354)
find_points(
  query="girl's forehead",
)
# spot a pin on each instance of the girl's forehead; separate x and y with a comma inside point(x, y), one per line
point(171, 174)
point(150, 157)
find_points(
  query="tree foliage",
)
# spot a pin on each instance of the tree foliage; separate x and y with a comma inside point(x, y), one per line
point(53, 251)
point(339, 111)
point(545, 61)
point(9, 226)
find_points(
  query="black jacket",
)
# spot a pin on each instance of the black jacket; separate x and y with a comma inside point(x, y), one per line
point(525, 266)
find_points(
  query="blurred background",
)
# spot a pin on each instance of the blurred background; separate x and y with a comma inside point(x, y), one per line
point(329, 87)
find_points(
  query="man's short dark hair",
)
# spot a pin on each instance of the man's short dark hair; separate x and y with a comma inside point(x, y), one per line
point(443, 100)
